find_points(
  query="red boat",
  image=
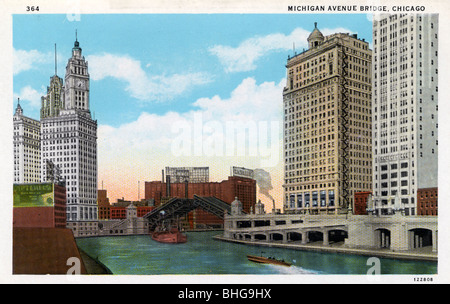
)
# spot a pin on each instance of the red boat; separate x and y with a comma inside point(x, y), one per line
point(172, 236)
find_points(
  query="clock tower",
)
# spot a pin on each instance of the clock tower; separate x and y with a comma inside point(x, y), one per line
point(69, 141)
point(77, 81)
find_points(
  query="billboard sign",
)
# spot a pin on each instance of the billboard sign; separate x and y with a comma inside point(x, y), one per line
point(242, 172)
point(34, 195)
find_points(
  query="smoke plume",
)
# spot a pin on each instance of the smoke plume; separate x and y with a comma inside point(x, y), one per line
point(264, 182)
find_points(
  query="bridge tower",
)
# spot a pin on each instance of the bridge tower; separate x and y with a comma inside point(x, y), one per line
point(236, 207)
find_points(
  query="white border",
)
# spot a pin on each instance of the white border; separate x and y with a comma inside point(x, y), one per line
point(11, 7)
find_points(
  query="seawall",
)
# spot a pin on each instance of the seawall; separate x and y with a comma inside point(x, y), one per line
point(382, 253)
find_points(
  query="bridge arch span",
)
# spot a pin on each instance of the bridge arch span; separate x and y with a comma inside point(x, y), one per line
point(315, 235)
point(294, 236)
point(337, 235)
point(276, 236)
point(420, 237)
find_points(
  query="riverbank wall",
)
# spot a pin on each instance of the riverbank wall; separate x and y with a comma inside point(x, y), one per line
point(318, 247)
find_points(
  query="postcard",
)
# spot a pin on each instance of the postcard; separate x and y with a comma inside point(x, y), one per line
point(281, 141)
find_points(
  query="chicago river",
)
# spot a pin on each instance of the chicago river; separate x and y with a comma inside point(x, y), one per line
point(202, 254)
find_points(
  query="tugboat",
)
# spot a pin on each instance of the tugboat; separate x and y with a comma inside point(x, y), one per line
point(268, 260)
point(168, 234)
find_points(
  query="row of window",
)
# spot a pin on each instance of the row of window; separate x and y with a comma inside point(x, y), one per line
point(312, 199)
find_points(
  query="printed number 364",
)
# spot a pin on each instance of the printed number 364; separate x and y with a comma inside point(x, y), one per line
point(32, 8)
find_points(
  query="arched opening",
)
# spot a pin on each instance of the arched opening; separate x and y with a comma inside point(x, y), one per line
point(276, 237)
point(383, 237)
point(294, 236)
point(315, 236)
point(260, 237)
point(337, 235)
point(420, 237)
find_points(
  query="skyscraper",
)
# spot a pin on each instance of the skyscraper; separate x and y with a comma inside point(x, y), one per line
point(69, 140)
point(327, 124)
point(27, 148)
point(405, 110)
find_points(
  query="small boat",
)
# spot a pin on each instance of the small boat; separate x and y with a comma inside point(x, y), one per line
point(269, 260)
point(172, 236)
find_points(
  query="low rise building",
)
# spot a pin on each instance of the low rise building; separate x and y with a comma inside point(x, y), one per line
point(360, 202)
point(131, 224)
point(39, 205)
point(104, 211)
point(427, 201)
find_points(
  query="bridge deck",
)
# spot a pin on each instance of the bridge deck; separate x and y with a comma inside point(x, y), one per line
point(178, 207)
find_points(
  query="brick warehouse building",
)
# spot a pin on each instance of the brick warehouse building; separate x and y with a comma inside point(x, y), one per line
point(427, 201)
point(118, 210)
point(360, 202)
point(227, 190)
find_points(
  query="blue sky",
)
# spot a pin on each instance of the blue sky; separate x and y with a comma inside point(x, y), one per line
point(155, 78)
point(163, 46)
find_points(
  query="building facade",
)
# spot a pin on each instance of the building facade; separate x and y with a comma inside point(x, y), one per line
point(39, 205)
point(405, 109)
point(104, 211)
point(128, 224)
point(53, 101)
point(27, 148)
point(327, 124)
point(427, 201)
point(69, 141)
point(361, 202)
point(227, 190)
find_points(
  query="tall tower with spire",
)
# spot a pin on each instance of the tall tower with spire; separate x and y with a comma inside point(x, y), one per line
point(53, 101)
point(69, 141)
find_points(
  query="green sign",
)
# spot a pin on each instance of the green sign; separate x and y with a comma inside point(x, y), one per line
point(33, 195)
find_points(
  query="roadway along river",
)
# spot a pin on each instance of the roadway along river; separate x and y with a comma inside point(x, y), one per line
point(204, 255)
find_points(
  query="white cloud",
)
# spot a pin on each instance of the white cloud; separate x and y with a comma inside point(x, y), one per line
point(248, 101)
point(139, 84)
point(140, 149)
point(32, 96)
point(26, 60)
point(153, 135)
point(243, 58)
